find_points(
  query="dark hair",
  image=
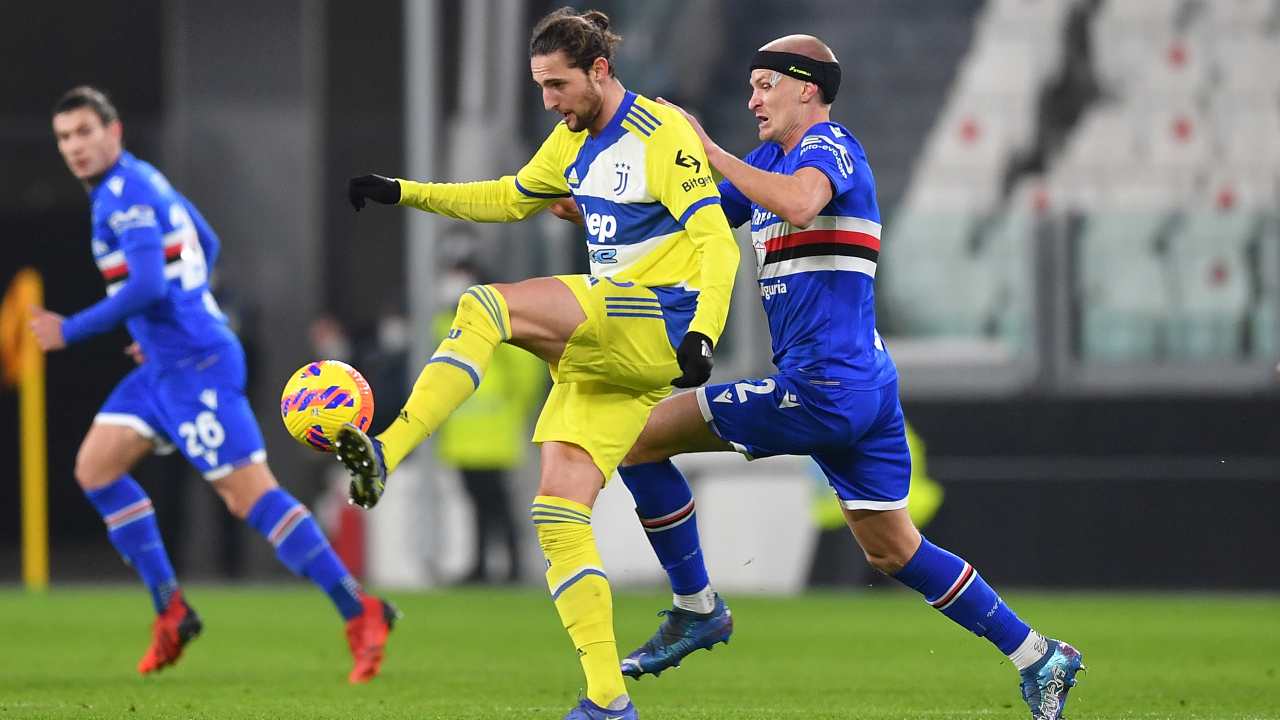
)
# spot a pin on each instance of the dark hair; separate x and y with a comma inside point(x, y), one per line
point(582, 37)
point(90, 97)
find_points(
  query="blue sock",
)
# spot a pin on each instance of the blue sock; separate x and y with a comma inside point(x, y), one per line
point(665, 506)
point(131, 525)
point(300, 545)
point(954, 587)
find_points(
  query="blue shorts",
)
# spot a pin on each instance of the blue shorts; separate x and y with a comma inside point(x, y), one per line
point(199, 406)
point(857, 437)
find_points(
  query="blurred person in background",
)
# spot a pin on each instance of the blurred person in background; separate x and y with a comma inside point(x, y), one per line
point(484, 439)
point(647, 318)
point(154, 250)
point(809, 195)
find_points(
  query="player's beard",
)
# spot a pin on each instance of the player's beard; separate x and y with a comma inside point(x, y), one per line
point(592, 100)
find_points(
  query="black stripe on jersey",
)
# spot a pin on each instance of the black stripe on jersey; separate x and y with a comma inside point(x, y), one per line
point(175, 258)
point(635, 125)
point(817, 249)
point(641, 119)
point(639, 109)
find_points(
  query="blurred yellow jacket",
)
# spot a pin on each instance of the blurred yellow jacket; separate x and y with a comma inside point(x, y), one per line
point(490, 431)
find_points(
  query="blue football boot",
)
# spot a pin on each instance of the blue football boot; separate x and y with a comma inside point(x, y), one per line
point(680, 633)
point(362, 456)
point(1045, 685)
point(587, 710)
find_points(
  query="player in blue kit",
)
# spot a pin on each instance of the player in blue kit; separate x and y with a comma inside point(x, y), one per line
point(154, 251)
point(809, 195)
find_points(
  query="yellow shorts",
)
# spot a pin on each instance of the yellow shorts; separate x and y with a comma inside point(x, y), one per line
point(615, 368)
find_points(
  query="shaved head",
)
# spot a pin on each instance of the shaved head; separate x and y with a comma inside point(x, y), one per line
point(806, 45)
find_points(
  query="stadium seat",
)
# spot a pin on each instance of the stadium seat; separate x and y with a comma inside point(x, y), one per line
point(1008, 249)
point(1263, 325)
point(1245, 64)
point(952, 190)
point(1122, 287)
point(1105, 139)
point(1177, 139)
point(1001, 66)
point(1264, 316)
point(935, 281)
point(1144, 13)
point(1231, 18)
point(1213, 283)
point(1039, 19)
point(1246, 132)
point(970, 137)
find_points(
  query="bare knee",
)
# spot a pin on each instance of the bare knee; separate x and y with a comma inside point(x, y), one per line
point(91, 473)
point(242, 489)
point(569, 472)
point(888, 538)
point(888, 561)
point(108, 451)
point(642, 453)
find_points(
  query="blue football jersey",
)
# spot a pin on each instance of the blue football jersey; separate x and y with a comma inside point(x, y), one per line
point(148, 235)
point(818, 282)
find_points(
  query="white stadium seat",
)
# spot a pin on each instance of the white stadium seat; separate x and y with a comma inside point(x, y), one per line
point(1245, 64)
point(1122, 286)
point(1212, 283)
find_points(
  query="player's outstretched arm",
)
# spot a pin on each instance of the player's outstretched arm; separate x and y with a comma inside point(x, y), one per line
point(484, 201)
point(795, 198)
point(508, 199)
point(144, 256)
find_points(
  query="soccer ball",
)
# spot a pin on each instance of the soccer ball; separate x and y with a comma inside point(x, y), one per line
point(320, 397)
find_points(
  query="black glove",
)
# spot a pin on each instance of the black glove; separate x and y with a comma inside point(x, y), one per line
point(694, 357)
point(374, 187)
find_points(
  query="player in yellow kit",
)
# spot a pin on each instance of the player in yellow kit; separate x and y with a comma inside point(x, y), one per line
point(647, 317)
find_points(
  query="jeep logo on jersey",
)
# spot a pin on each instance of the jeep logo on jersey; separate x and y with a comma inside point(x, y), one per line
point(621, 172)
point(600, 227)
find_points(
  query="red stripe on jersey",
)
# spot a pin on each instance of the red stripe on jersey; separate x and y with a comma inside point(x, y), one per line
point(172, 253)
point(813, 237)
point(115, 272)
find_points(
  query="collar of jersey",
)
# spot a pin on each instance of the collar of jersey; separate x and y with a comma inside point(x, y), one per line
point(594, 145)
point(125, 156)
point(804, 135)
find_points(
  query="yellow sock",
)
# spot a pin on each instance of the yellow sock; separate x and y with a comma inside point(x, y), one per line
point(580, 591)
point(453, 372)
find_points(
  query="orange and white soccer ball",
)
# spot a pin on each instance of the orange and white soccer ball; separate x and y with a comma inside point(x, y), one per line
point(320, 397)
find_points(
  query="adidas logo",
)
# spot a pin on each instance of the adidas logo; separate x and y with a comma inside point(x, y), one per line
point(573, 176)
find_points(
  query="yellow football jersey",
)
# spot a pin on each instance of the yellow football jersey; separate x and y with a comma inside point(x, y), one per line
point(650, 206)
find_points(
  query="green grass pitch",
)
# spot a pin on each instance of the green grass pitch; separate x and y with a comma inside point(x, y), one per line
point(278, 652)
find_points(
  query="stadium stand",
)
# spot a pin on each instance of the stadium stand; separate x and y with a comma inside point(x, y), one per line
point(1163, 184)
